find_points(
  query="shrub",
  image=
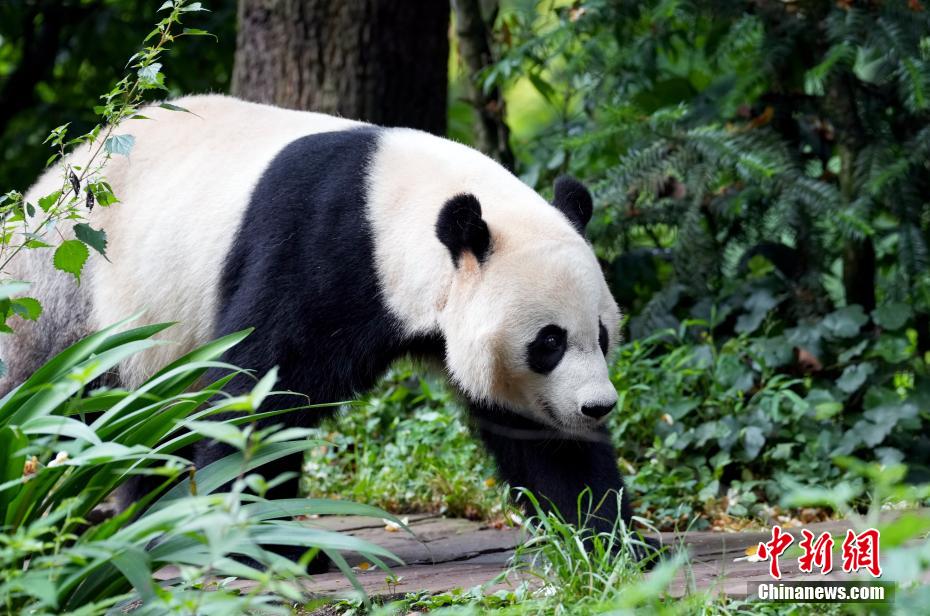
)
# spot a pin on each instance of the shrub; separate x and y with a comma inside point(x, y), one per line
point(761, 177)
point(724, 428)
point(66, 450)
point(405, 446)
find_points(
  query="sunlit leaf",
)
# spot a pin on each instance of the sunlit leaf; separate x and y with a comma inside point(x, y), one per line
point(70, 257)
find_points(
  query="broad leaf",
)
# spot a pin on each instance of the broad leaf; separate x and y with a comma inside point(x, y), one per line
point(119, 144)
point(28, 308)
point(96, 239)
point(71, 256)
point(893, 315)
point(845, 322)
point(854, 376)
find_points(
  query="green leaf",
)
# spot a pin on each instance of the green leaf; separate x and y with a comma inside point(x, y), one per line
point(757, 305)
point(893, 348)
point(542, 86)
point(293, 533)
point(753, 440)
point(868, 64)
point(96, 239)
point(209, 351)
point(845, 322)
point(892, 316)
point(904, 528)
point(71, 256)
point(28, 308)
point(46, 400)
point(218, 431)
point(168, 4)
point(13, 444)
point(60, 426)
point(854, 376)
point(774, 352)
point(824, 404)
point(213, 476)
point(37, 584)
point(49, 200)
point(134, 563)
point(149, 74)
point(198, 32)
point(61, 364)
point(853, 351)
point(119, 144)
point(263, 388)
point(293, 507)
point(171, 107)
point(106, 452)
point(888, 415)
point(103, 193)
point(836, 497)
point(711, 490)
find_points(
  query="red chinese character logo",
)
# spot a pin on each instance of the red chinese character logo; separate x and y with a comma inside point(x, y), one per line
point(774, 548)
point(819, 553)
point(861, 552)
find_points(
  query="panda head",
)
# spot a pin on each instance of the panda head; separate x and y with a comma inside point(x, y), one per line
point(529, 320)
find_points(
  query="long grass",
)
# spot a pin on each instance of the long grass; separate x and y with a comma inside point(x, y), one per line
point(64, 451)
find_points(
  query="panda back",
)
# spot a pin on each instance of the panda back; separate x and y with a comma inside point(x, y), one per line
point(185, 190)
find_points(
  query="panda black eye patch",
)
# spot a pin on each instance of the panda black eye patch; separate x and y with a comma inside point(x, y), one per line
point(545, 352)
point(602, 338)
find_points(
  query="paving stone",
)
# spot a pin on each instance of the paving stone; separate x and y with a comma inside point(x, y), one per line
point(441, 554)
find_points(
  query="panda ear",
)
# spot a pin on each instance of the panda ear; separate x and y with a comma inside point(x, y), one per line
point(573, 200)
point(460, 228)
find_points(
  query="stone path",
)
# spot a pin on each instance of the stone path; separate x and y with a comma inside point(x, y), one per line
point(442, 554)
point(446, 553)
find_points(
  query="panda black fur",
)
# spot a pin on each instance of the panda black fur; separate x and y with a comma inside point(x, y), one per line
point(347, 246)
point(273, 284)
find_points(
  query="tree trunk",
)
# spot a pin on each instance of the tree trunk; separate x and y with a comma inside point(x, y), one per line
point(380, 61)
point(492, 134)
point(859, 265)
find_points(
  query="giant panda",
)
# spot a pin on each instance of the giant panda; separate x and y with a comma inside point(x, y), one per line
point(346, 246)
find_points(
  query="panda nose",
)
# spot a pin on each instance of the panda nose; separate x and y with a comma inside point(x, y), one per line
point(596, 411)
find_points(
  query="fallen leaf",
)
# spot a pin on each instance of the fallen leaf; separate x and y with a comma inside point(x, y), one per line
point(392, 527)
point(807, 361)
point(752, 555)
point(763, 118)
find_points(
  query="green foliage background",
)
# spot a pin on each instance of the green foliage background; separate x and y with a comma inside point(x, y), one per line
point(761, 171)
point(761, 179)
point(58, 56)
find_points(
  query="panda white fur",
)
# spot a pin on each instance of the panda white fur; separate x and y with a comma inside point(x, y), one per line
point(347, 246)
